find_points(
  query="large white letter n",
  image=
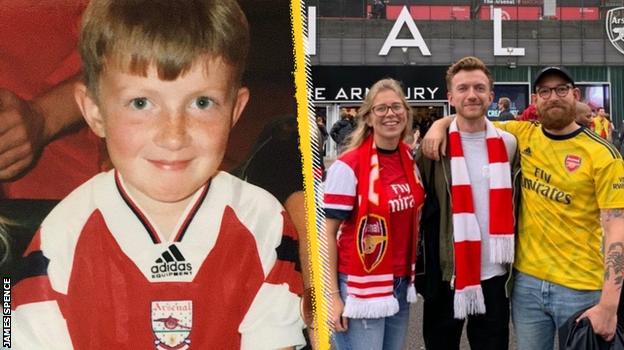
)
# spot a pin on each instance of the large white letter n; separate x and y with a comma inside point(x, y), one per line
point(416, 41)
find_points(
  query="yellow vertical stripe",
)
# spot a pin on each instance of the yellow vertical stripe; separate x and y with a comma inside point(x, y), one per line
point(311, 178)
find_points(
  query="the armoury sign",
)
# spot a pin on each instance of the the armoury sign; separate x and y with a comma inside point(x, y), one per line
point(334, 84)
point(614, 23)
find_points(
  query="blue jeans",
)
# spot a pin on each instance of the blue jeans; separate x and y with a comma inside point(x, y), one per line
point(540, 307)
point(387, 333)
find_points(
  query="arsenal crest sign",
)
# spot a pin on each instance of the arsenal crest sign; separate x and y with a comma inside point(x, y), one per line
point(171, 324)
point(614, 23)
point(372, 240)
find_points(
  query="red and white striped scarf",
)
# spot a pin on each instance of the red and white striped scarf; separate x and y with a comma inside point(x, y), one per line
point(370, 277)
point(466, 232)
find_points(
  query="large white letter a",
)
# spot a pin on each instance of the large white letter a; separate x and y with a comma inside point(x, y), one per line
point(416, 41)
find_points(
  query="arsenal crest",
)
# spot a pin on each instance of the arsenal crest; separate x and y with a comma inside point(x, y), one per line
point(171, 324)
point(614, 23)
point(572, 162)
point(372, 241)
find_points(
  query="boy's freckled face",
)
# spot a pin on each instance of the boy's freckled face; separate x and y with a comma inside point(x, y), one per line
point(168, 138)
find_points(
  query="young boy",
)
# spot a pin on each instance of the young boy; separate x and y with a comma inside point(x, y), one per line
point(165, 251)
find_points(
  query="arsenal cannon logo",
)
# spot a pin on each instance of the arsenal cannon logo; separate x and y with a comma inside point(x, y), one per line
point(171, 324)
point(372, 240)
point(614, 23)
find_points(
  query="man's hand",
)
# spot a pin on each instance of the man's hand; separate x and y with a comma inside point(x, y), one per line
point(434, 141)
point(21, 134)
point(416, 142)
point(603, 316)
point(603, 320)
point(337, 321)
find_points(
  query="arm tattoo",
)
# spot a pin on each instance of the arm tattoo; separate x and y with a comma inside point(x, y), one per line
point(613, 213)
point(614, 263)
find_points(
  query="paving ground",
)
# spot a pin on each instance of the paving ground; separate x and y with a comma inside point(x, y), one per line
point(415, 339)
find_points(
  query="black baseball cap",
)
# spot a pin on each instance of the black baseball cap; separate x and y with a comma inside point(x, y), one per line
point(560, 71)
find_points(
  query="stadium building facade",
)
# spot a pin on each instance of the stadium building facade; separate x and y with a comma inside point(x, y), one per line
point(351, 45)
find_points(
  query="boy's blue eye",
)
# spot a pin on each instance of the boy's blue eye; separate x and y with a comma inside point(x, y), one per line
point(203, 102)
point(139, 103)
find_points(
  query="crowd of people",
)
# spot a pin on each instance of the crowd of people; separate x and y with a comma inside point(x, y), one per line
point(157, 248)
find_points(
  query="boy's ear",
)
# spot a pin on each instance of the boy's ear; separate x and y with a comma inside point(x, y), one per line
point(242, 97)
point(90, 110)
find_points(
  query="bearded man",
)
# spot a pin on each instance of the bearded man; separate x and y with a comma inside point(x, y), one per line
point(570, 248)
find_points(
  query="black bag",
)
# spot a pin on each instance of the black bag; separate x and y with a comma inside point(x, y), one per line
point(580, 336)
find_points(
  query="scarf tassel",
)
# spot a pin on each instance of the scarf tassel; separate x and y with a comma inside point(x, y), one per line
point(370, 308)
point(469, 301)
point(502, 249)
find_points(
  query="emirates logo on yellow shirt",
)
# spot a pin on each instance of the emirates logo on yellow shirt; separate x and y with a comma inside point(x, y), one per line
point(572, 162)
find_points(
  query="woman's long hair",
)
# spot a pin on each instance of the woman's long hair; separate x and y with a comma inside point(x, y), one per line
point(362, 130)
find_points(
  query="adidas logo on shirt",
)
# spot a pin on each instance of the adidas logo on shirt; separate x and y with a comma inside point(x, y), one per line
point(527, 151)
point(171, 263)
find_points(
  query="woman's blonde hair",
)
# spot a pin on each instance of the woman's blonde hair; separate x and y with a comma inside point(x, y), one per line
point(362, 130)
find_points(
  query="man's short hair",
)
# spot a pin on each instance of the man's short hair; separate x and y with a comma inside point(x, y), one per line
point(169, 34)
point(467, 63)
point(582, 108)
point(505, 102)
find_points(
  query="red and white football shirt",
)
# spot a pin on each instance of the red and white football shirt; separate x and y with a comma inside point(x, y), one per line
point(228, 280)
point(341, 200)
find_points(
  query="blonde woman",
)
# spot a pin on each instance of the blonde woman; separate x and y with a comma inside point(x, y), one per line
point(373, 197)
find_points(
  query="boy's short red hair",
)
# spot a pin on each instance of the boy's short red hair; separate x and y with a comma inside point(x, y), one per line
point(169, 34)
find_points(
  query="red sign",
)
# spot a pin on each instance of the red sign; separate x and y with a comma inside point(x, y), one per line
point(578, 13)
point(462, 13)
point(424, 12)
point(532, 13)
point(528, 13)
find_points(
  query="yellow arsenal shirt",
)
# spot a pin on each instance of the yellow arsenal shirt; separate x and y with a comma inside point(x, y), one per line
point(566, 180)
